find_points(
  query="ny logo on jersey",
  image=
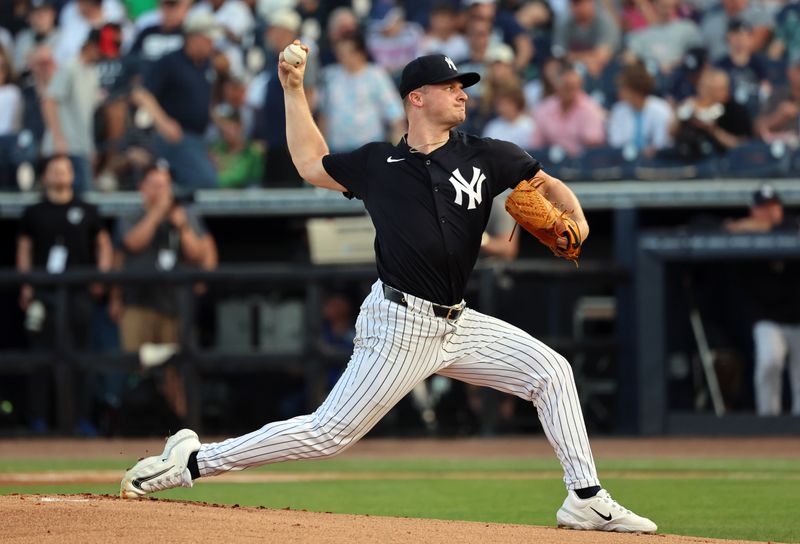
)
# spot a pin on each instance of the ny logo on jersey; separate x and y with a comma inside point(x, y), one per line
point(451, 64)
point(472, 189)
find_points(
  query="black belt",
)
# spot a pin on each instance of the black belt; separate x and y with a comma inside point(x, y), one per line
point(447, 312)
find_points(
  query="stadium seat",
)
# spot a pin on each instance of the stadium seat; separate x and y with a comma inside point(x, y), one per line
point(602, 164)
point(554, 161)
point(794, 164)
point(660, 168)
point(756, 160)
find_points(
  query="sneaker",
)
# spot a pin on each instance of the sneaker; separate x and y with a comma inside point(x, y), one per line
point(163, 471)
point(600, 513)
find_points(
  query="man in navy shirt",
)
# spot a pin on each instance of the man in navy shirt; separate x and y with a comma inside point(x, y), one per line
point(177, 95)
point(429, 197)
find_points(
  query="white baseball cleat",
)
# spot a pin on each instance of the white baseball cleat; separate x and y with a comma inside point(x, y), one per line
point(163, 471)
point(600, 513)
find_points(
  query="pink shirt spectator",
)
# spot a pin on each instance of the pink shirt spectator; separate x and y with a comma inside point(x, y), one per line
point(573, 130)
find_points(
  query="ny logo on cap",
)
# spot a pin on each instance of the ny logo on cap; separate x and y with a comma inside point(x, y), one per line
point(451, 64)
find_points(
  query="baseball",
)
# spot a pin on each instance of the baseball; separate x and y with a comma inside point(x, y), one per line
point(294, 54)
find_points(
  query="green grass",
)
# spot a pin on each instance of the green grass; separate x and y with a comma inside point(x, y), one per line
point(730, 498)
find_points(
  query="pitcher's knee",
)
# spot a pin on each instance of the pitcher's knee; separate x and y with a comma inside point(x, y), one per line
point(562, 371)
point(331, 440)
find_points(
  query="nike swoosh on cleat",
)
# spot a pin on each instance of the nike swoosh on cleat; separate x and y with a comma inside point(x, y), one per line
point(390, 159)
point(607, 518)
point(137, 483)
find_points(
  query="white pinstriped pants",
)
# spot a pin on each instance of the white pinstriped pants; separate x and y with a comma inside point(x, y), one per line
point(395, 349)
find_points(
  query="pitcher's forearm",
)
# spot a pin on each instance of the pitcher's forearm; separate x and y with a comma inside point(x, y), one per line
point(557, 192)
point(305, 141)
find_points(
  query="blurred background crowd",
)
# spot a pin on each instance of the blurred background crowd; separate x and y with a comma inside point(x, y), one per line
point(115, 84)
point(166, 97)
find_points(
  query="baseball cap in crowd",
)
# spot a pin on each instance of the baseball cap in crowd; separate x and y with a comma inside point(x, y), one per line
point(695, 59)
point(285, 18)
point(468, 3)
point(499, 52)
point(202, 22)
point(433, 69)
point(765, 194)
point(383, 15)
point(40, 4)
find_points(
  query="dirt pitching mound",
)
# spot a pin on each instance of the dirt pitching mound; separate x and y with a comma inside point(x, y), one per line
point(101, 519)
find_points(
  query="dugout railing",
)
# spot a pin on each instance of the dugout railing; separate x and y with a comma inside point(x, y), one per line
point(195, 360)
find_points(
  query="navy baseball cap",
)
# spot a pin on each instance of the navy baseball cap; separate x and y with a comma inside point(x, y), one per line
point(432, 69)
point(764, 194)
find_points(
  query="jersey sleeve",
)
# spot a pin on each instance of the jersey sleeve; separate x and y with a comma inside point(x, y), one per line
point(512, 164)
point(351, 170)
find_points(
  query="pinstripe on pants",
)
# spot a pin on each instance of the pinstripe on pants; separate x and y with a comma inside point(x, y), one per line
point(395, 349)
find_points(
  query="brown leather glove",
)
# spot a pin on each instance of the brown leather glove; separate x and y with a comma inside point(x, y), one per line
point(540, 217)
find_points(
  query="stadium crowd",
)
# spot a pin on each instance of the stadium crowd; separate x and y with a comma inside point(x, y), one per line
point(116, 84)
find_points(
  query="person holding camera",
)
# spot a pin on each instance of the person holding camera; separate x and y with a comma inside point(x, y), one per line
point(163, 235)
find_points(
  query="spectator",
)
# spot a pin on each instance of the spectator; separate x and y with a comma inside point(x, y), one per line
point(510, 31)
point(442, 35)
point(159, 39)
point(236, 20)
point(11, 108)
point(589, 36)
point(234, 16)
point(746, 70)
point(513, 123)
point(537, 19)
point(78, 18)
point(633, 15)
point(239, 162)
point(544, 86)
point(164, 235)
point(786, 44)
point(59, 233)
point(341, 22)
point(41, 68)
point(391, 40)
point(479, 34)
point(116, 73)
point(665, 42)
point(682, 83)
point(499, 63)
point(359, 102)
point(779, 119)
point(42, 31)
point(177, 95)
point(710, 122)
point(570, 119)
point(267, 94)
point(775, 306)
point(68, 110)
point(639, 118)
point(715, 23)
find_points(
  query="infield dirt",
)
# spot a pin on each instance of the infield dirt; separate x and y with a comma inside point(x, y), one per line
point(94, 519)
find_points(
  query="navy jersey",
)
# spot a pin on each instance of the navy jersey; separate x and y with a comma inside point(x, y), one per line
point(430, 210)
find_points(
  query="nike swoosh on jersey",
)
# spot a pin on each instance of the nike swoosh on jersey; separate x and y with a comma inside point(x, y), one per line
point(390, 159)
